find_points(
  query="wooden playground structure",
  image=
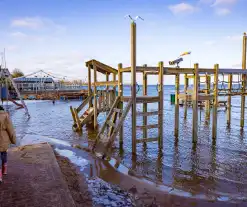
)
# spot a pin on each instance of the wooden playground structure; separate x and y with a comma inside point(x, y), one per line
point(106, 100)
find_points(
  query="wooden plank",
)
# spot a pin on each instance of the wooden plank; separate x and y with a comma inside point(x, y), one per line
point(243, 82)
point(120, 93)
point(73, 114)
point(133, 84)
point(117, 128)
point(150, 113)
point(110, 123)
point(144, 90)
point(176, 124)
point(161, 103)
point(208, 85)
point(105, 83)
point(118, 110)
point(104, 125)
point(141, 99)
point(186, 84)
point(84, 103)
point(78, 122)
point(205, 97)
point(89, 86)
point(151, 126)
point(229, 100)
point(195, 104)
point(95, 122)
point(214, 124)
point(147, 140)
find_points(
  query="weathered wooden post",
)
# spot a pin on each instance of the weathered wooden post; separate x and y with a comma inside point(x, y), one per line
point(186, 83)
point(133, 83)
point(243, 82)
point(95, 122)
point(89, 85)
point(208, 85)
point(144, 90)
point(120, 93)
point(176, 105)
point(195, 103)
point(107, 97)
point(229, 100)
point(214, 125)
point(161, 97)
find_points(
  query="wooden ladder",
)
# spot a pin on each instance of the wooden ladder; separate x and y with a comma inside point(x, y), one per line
point(79, 121)
point(103, 143)
point(146, 127)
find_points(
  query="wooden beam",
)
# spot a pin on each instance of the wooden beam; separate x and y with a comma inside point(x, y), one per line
point(243, 82)
point(161, 103)
point(147, 140)
point(176, 125)
point(229, 100)
point(142, 99)
point(186, 84)
point(144, 90)
point(214, 124)
point(151, 126)
point(208, 86)
point(133, 84)
point(95, 122)
point(89, 85)
point(195, 104)
point(120, 94)
point(150, 113)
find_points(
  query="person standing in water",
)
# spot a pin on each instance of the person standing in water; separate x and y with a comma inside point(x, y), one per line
point(7, 137)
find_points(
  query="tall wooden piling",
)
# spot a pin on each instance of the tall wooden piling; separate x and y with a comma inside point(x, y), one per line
point(120, 93)
point(161, 97)
point(133, 83)
point(208, 87)
point(186, 84)
point(95, 97)
point(176, 125)
point(195, 104)
point(89, 85)
point(144, 90)
point(243, 82)
point(229, 100)
point(215, 106)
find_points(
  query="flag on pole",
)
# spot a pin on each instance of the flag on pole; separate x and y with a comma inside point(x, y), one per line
point(185, 53)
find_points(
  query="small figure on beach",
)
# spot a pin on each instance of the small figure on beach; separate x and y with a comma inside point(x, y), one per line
point(53, 101)
point(7, 137)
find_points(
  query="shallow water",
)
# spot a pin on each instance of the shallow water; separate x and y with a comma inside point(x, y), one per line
point(211, 169)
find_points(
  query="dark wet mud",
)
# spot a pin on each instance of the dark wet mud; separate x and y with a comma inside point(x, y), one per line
point(214, 170)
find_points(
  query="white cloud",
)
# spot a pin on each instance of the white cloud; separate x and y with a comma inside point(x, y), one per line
point(37, 23)
point(224, 2)
point(18, 34)
point(28, 22)
point(182, 8)
point(222, 11)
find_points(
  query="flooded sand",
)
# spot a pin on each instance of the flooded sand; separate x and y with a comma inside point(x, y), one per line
point(211, 170)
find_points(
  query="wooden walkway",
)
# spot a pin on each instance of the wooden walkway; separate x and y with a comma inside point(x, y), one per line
point(34, 179)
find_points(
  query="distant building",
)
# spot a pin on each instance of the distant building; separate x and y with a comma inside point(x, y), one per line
point(35, 84)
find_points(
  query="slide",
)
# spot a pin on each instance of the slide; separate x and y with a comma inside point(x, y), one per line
point(17, 104)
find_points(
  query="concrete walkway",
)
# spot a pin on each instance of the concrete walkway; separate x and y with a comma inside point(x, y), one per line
point(34, 179)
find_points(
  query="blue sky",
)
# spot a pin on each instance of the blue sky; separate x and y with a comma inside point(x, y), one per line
point(60, 35)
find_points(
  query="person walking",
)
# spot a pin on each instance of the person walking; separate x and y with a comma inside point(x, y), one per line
point(7, 137)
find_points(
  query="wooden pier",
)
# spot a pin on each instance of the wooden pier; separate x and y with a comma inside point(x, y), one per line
point(117, 111)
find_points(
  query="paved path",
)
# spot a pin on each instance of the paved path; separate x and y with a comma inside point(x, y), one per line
point(34, 179)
